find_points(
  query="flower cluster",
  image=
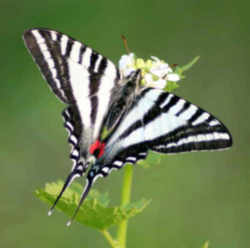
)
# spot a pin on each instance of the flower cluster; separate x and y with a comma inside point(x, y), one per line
point(155, 72)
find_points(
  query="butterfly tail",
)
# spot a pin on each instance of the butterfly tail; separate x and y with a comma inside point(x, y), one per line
point(85, 192)
point(77, 172)
point(90, 179)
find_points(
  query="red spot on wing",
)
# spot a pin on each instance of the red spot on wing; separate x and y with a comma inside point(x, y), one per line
point(97, 148)
point(102, 147)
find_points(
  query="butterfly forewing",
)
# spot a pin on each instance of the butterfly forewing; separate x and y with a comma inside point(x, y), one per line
point(75, 72)
point(187, 128)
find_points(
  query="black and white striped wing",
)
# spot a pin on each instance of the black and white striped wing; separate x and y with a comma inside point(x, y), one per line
point(77, 74)
point(162, 122)
point(73, 125)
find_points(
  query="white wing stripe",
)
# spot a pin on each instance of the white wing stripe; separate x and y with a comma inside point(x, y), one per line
point(80, 88)
point(197, 138)
point(97, 63)
point(222, 136)
point(170, 96)
point(187, 114)
point(53, 35)
point(73, 139)
point(75, 153)
point(63, 44)
point(51, 65)
point(111, 70)
point(133, 159)
point(163, 124)
point(105, 169)
point(214, 123)
point(45, 51)
point(96, 177)
point(69, 126)
point(177, 107)
point(86, 57)
point(39, 38)
point(75, 51)
point(203, 117)
point(118, 163)
point(103, 95)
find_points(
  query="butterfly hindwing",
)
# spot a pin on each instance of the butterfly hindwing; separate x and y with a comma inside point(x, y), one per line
point(74, 127)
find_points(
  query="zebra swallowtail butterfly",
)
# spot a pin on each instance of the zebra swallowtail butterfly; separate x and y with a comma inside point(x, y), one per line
point(99, 98)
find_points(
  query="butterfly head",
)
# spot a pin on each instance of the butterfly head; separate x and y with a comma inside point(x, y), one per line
point(134, 77)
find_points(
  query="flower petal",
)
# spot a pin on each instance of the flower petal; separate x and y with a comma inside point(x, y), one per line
point(127, 64)
point(173, 77)
point(159, 84)
point(148, 78)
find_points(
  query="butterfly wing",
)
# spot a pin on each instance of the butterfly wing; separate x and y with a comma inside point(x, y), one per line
point(81, 78)
point(73, 125)
point(163, 122)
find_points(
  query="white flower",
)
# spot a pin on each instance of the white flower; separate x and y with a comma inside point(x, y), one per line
point(155, 72)
point(150, 82)
point(160, 68)
point(174, 77)
point(127, 64)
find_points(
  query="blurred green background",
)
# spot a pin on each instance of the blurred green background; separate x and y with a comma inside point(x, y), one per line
point(197, 196)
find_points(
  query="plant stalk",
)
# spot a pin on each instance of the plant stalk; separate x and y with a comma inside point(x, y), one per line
point(113, 243)
point(125, 199)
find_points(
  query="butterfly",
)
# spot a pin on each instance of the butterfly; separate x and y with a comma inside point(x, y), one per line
point(99, 99)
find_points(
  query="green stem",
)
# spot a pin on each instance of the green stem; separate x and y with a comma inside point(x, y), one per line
point(126, 192)
point(113, 243)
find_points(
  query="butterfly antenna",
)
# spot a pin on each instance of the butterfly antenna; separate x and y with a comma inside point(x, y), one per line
point(67, 183)
point(125, 43)
point(88, 185)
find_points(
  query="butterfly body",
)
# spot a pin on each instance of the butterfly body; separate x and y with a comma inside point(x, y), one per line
point(113, 120)
point(124, 96)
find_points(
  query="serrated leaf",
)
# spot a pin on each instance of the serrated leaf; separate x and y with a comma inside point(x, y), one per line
point(137, 207)
point(95, 212)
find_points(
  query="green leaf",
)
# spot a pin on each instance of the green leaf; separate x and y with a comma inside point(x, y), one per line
point(95, 212)
point(171, 86)
point(137, 207)
point(180, 69)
